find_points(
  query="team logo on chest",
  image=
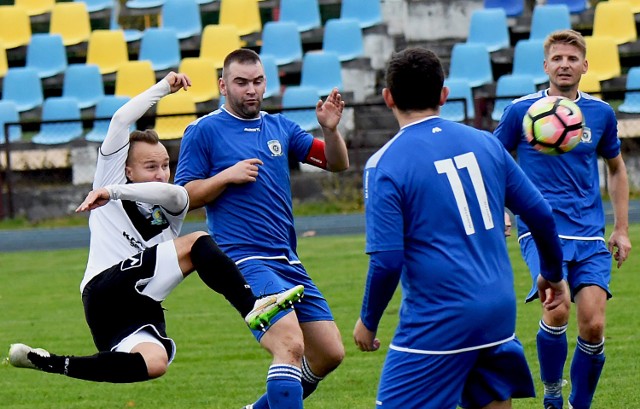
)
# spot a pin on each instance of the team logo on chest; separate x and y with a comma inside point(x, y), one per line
point(586, 135)
point(157, 217)
point(275, 147)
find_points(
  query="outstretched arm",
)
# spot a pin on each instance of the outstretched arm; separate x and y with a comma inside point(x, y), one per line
point(329, 113)
point(171, 197)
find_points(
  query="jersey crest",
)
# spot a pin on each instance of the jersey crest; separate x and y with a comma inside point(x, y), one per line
point(275, 147)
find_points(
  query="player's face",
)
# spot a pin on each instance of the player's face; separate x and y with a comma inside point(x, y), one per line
point(148, 163)
point(565, 64)
point(243, 86)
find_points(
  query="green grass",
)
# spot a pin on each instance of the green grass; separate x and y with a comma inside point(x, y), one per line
point(219, 365)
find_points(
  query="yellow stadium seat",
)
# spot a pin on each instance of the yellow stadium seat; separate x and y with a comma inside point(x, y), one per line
point(107, 49)
point(615, 19)
point(36, 7)
point(204, 78)
point(244, 14)
point(635, 4)
point(590, 84)
point(172, 127)
point(217, 41)
point(133, 77)
point(71, 21)
point(15, 27)
point(603, 57)
point(4, 64)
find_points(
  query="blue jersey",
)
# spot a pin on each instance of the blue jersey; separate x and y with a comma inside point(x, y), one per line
point(251, 219)
point(570, 182)
point(437, 192)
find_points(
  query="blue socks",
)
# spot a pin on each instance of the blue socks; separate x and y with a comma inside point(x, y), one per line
point(284, 390)
point(309, 382)
point(552, 354)
point(586, 368)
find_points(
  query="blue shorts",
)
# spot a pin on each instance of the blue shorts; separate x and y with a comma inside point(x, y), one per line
point(471, 379)
point(268, 276)
point(585, 263)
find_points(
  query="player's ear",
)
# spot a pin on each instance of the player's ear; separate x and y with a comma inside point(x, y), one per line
point(444, 94)
point(388, 98)
point(585, 66)
point(222, 86)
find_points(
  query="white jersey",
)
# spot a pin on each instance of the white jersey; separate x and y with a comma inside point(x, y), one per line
point(122, 228)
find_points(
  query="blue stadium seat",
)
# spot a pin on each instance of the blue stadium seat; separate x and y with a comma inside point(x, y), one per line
point(528, 59)
point(282, 41)
point(97, 5)
point(459, 89)
point(367, 12)
point(322, 71)
point(272, 75)
point(343, 37)
point(548, 18)
point(130, 35)
point(105, 108)
point(46, 54)
point(57, 109)
point(509, 87)
point(161, 46)
point(84, 83)
point(301, 97)
point(304, 13)
point(631, 103)
point(471, 62)
point(489, 27)
point(513, 8)
point(9, 113)
point(575, 6)
point(183, 16)
point(23, 86)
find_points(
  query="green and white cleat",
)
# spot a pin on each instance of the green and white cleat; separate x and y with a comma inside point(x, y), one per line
point(268, 306)
point(19, 355)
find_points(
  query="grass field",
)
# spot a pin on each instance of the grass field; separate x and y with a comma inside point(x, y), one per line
point(219, 365)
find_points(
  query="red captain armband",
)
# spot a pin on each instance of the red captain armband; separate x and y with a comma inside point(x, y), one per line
point(316, 154)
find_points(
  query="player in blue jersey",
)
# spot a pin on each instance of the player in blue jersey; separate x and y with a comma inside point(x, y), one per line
point(434, 200)
point(570, 182)
point(235, 162)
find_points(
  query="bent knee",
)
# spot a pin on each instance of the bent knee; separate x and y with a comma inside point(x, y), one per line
point(156, 367)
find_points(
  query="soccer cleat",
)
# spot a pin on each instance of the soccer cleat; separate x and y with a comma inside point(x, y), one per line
point(248, 407)
point(19, 355)
point(268, 306)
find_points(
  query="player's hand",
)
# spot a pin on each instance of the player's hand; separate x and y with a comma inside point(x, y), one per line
point(621, 244)
point(177, 81)
point(245, 171)
point(94, 199)
point(329, 111)
point(366, 340)
point(552, 295)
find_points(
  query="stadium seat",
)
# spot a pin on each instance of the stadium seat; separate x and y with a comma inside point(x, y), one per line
point(58, 109)
point(631, 103)
point(130, 35)
point(603, 57)
point(15, 27)
point(471, 62)
point(105, 108)
point(548, 18)
point(513, 8)
point(590, 84)
point(615, 19)
point(575, 6)
point(183, 16)
point(304, 13)
point(368, 13)
point(217, 41)
point(23, 86)
point(72, 21)
point(161, 46)
point(84, 83)
point(46, 54)
point(108, 50)
point(528, 59)
point(282, 41)
point(244, 14)
point(489, 27)
point(301, 97)
point(134, 77)
point(635, 4)
point(509, 87)
point(93, 6)
point(4, 62)
point(35, 7)
point(146, 8)
point(272, 75)
point(9, 113)
point(204, 78)
point(343, 37)
point(321, 70)
point(460, 94)
point(172, 127)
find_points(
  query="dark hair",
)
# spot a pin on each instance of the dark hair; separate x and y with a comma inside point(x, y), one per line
point(147, 136)
point(242, 56)
point(415, 78)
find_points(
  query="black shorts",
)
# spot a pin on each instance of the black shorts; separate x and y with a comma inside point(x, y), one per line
point(114, 306)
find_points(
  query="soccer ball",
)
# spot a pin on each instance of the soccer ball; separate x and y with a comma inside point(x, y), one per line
point(553, 125)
